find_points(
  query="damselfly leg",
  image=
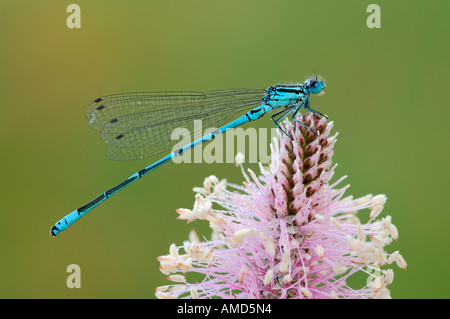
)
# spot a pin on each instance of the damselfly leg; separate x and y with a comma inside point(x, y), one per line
point(297, 121)
point(314, 111)
point(283, 113)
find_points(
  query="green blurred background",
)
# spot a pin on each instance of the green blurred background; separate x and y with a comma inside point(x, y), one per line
point(385, 94)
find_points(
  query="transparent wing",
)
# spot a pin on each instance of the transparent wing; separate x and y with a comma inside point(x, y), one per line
point(138, 125)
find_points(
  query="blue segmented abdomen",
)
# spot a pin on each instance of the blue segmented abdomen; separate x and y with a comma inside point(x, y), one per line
point(74, 216)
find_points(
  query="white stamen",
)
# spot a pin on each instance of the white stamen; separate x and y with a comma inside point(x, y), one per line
point(239, 236)
point(389, 274)
point(400, 261)
point(239, 159)
point(177, 278)
point(320, 251)
point(268, 277)
point(284, 265)
point(335, 223)
point(306, 292)
point(194, 293)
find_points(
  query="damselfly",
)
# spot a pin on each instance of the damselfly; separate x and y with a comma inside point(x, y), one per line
point(138, 125)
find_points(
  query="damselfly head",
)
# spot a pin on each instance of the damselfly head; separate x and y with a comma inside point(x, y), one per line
point(314, 85)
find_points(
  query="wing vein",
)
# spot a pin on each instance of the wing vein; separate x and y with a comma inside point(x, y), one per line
point(138, 125)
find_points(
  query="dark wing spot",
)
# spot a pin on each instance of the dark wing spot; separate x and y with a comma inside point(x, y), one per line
point(113, 120)
point(119, 137)
point(98, 100)
point(101, 107)
point(178, 152)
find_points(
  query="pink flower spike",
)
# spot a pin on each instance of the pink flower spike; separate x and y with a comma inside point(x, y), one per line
point(289, 233)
